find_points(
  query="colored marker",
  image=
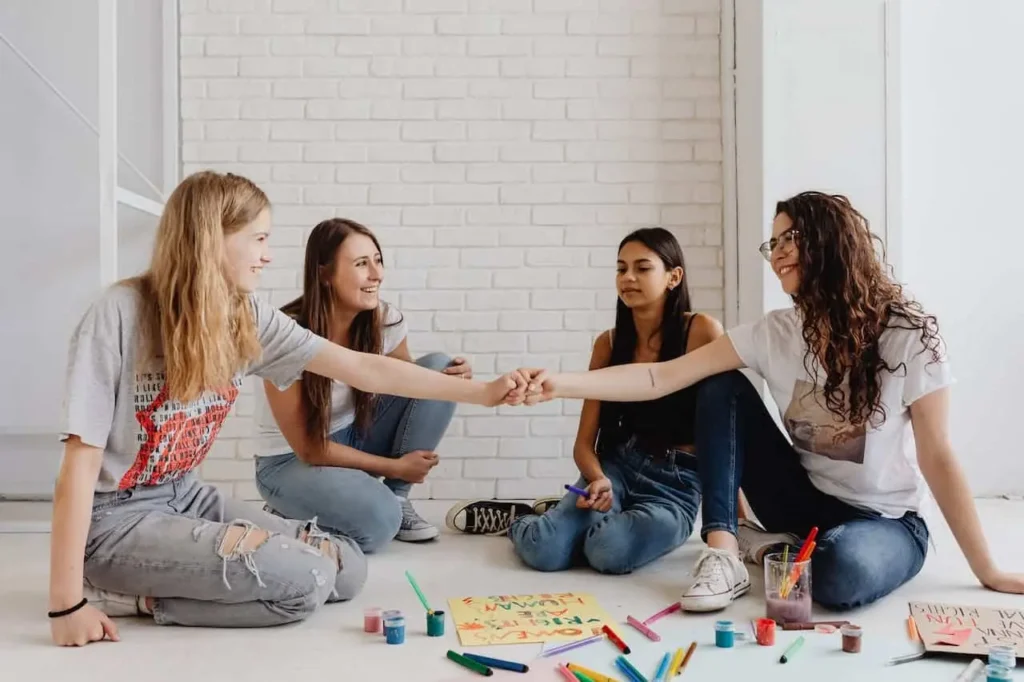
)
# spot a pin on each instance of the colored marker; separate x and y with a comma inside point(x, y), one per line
point(906, 658)
point(616, 640)
point(498, 663)
point(582, 677)
point(627, 667)
point(671, 608)
point(687, 657)
point(566, 674)
point(972, 671)
point(792, 649)
point(579, 491)
point(912, 630)
point(469, 663)
point(571, 645)
point(647, 632)
point(419, 592)
point(595, 676)
point(659, 676)
point(677, 660)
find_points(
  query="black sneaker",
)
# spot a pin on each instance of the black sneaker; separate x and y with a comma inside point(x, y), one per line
point(485, 517)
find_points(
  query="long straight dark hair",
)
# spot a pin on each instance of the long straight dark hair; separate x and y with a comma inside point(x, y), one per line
point(673, 318)
point(313, 309)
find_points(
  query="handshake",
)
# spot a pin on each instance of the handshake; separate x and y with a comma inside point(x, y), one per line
point(521, 387)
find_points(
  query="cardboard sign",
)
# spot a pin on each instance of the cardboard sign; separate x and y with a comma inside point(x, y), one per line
point(967, 630)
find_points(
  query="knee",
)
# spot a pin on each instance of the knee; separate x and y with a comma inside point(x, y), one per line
point(435, 361)
point(607, 550)
point(846, 576)
point(537, 549)
point(723, 387)
point(379, 522)
point(352, 569)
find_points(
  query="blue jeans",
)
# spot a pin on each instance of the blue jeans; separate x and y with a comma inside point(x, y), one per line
point(655, 502)
point(860, 555)
point(351, 502)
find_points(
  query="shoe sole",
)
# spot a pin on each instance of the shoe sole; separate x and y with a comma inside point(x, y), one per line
point(737, 592)
point(424, 535)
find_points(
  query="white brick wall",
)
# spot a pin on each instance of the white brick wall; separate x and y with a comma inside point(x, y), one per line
point(499, 148)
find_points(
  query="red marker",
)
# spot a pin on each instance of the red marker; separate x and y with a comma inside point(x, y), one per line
point(615, 639)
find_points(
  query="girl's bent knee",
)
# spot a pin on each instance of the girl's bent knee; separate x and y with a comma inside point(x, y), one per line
point(435, 361)
point(352, 571)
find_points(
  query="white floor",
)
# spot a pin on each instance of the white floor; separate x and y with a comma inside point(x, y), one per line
point(333, 644)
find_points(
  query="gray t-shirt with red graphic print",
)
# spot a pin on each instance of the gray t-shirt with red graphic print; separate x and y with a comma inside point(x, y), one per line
point(148, 438)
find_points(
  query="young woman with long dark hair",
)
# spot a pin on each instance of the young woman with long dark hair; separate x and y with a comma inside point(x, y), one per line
point(325, 446)
point(859, 372)
point(636, 459)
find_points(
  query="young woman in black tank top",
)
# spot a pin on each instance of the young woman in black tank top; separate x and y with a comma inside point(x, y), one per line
point(636, 460)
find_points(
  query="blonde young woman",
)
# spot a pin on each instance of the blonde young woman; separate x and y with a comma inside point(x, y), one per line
point(154, 367)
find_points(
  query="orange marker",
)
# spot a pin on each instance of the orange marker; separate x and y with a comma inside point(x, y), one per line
point(686, 658)
point(615, 639)
point(912, 630)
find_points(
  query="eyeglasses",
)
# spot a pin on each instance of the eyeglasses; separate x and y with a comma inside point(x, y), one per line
point(786, 241)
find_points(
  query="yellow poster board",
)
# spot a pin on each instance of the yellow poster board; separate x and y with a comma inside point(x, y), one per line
point(526, 618)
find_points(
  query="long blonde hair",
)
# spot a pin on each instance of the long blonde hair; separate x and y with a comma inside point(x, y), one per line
point(192, 315)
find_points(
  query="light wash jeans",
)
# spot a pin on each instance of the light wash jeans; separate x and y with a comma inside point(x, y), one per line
point(656, 498)
point(860, 555)
point(350, 502)
point(165, 542)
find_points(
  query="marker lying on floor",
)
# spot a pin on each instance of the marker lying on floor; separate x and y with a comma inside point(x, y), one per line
point(792, 649)
point(571, 645)
point(595, 676)
point(498, 663)
point(646, 631)
point(671, 608)
point(616, 640)
point(469, 663)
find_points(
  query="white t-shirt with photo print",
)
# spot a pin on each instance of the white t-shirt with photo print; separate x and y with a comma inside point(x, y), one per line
point(871, 466)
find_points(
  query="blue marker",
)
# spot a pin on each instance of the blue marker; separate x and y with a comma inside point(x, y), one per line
point(579, 491)
point(662, 669)
point(498, 663)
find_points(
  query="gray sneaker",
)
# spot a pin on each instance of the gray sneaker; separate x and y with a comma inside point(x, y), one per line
point(414, 527)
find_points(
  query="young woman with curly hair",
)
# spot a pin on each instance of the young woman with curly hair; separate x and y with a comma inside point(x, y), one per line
point(860, 376)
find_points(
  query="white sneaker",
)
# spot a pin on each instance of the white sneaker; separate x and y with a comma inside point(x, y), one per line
point(113, 604)
point(719, 577)
point(755, 541)
point(414, 527)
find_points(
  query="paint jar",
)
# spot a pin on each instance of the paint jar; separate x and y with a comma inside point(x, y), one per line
point(851, 638)
point(1002, 654)
point(394, 630)
point(787, 600)
point(435, 623)
point(372, 621)
point(725, 636)
point(765, 629)
point(390, 613)
point(997, 673)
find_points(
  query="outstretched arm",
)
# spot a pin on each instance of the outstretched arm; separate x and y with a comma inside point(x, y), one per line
point(930, 417)
point(380, 374)
point(644, 381)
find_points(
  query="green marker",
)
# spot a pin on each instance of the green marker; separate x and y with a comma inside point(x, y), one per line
point(581, 677)
point(469, 663)
point(792, 649)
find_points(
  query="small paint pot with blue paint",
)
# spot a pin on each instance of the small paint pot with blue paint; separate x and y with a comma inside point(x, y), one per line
point(997, 673)
point(1003, 655)
point(725, 636)
point(388, 614)
point(394, 630)
point(435, 624)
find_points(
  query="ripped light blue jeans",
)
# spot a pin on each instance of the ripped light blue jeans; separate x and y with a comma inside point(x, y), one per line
point(655, 503)
point(172, 542)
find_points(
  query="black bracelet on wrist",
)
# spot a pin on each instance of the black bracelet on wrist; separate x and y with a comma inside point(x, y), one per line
point(67, 612)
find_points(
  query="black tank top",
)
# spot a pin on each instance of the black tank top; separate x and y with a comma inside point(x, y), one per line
point(657, 424)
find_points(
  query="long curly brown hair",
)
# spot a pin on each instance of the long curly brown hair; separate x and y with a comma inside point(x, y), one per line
point(847, 299)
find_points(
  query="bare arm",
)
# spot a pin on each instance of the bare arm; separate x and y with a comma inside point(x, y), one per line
point(647, 380)
point(929, 416)
point(72, 513)
point(290, 415)
point(381, 374)
point(583, 451)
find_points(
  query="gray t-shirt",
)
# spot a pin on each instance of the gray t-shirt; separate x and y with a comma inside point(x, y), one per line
point(147, 438)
